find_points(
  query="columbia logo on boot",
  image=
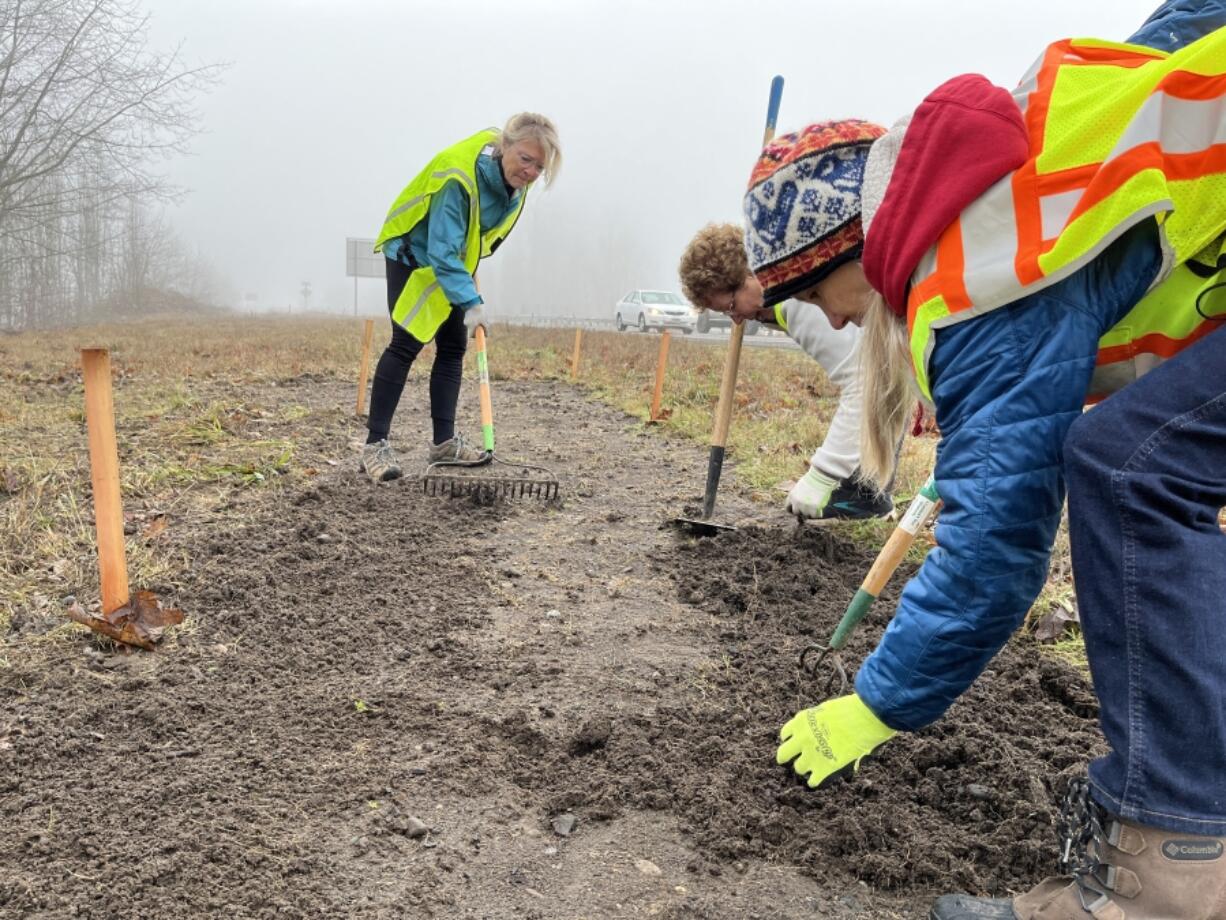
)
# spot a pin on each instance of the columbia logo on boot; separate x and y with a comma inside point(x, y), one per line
point(1192, 850)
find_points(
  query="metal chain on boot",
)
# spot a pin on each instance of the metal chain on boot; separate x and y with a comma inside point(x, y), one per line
point(1081, 830)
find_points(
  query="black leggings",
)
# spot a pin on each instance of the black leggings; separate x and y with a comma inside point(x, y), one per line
point(450, 342)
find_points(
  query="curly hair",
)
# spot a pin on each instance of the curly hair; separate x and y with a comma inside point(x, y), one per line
point(713, 263)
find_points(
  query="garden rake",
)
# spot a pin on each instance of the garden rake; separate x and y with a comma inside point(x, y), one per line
point(477, 479)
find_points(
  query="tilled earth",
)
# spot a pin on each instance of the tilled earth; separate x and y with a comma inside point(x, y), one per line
point(386, 705)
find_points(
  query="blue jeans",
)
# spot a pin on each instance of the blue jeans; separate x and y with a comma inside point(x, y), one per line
point(1146, 475)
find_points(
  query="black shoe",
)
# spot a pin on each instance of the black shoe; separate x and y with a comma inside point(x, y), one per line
point(855, 499)
point(964, 907)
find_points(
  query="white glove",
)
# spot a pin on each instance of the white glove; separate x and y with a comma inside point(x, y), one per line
point(810, 495)
point(474, 317)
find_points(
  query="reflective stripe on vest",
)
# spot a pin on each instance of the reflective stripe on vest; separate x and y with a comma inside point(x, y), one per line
point(422, 306)
point(1118, 134)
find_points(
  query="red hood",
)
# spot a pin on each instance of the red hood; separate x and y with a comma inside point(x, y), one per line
point(965, 136)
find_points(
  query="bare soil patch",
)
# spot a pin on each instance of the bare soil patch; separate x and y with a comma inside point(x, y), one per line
point(383, 705)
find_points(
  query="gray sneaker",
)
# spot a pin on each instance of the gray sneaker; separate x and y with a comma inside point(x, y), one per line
point(379, 461)
point(455, 449)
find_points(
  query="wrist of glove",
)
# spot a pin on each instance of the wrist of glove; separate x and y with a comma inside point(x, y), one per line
point(811, 494)
point(831, 739)
point(474, 316)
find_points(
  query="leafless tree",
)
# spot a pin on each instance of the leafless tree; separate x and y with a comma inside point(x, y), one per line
point(88, 111)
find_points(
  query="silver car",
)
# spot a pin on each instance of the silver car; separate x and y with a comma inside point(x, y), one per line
point(654, 310)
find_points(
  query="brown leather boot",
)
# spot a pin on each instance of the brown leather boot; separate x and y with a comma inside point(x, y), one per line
point(1116, 870)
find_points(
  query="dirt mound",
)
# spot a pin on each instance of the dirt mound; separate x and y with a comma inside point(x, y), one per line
point(382, 706)
point(968, 801)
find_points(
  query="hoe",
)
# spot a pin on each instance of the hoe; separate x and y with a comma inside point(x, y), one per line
point(480, 479)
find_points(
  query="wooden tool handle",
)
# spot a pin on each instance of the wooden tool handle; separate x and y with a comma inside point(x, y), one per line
point(732, 362)
point(487, 406)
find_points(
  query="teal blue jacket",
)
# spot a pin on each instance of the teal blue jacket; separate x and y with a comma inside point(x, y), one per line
point(438, 240)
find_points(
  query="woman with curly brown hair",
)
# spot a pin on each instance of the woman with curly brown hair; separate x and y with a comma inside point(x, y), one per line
point(715, 276)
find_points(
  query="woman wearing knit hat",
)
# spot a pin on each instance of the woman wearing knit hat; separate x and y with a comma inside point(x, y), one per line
point(1015, 257)
point(715, 275)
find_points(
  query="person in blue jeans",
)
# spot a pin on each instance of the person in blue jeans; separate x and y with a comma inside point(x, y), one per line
point(1026, 254)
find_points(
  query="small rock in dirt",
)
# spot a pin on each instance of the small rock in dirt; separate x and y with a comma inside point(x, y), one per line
point(415, 828)
point(553, 614)
point(417, 771)
point(647, 867)
point(976, 791)
point(551, 851)
point(564, 825)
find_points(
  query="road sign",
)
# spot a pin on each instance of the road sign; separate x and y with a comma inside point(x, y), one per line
point(361, 261)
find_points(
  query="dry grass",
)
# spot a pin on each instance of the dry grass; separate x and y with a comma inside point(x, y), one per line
point(202, 416)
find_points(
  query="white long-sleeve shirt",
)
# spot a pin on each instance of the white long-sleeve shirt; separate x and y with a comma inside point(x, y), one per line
point(837, 351)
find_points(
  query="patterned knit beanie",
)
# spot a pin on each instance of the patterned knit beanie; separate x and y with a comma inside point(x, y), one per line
point(802, 210)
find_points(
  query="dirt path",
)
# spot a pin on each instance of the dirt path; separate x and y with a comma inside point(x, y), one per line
point(388, 706)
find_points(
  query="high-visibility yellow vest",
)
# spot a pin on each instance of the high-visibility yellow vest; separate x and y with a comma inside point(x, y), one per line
point(422, 306)
point(1118, 134)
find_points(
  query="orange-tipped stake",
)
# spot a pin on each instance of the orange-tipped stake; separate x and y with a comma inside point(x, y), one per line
point(104, 468)
point(367, 332)
point(574, 358)
point(661, 365)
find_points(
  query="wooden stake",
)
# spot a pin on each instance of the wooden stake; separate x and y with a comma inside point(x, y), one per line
point(661, 364)
point(574, 359)
point(104, 468)
point(367, 332)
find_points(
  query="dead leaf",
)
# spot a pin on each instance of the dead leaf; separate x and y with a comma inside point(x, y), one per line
point(10, 484)
point(141, 622)
point(1051, 627)
point(155, 527)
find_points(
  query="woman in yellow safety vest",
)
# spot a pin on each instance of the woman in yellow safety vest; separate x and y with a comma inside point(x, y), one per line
point(1020, 255)
point(456, 211)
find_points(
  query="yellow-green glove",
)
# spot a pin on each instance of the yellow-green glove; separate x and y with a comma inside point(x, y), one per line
point(831, 739)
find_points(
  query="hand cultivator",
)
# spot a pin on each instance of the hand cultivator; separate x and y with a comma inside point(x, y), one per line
point(922, 506)
point(476, 479)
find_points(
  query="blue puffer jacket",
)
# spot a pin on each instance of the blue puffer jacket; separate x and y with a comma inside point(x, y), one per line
point(1007, 385)
point(1180, 22)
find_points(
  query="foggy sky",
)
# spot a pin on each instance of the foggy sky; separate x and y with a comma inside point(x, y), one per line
point(329, 107)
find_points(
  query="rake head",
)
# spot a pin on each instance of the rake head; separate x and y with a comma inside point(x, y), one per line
point(484, 486)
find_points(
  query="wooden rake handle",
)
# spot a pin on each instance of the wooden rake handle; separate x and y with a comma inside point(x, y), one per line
point(483, 380)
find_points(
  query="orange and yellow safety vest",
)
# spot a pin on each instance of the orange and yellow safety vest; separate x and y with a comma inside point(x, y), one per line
point(1118, 134)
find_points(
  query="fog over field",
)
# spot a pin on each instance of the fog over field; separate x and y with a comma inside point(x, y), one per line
point(325, 109)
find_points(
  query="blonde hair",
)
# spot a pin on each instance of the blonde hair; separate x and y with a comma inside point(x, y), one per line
point(530, 125)
point(713, 263)
point(887, 383)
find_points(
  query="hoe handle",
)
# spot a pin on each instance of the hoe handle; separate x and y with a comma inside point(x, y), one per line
point(732, 362)
point(487, 407)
